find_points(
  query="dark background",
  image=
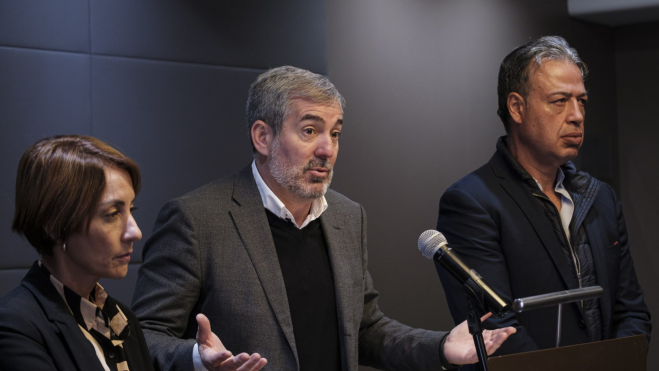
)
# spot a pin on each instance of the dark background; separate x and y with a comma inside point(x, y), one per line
point(166, 82)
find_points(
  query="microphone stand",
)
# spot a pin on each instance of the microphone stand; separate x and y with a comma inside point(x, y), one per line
point(475, 301)
point(476, 304)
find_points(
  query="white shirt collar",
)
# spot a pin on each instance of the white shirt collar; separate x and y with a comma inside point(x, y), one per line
point(277, 207)
point(560, 176)
point(567, 204)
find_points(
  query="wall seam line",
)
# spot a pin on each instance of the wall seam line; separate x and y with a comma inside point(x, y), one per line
point(254, 69)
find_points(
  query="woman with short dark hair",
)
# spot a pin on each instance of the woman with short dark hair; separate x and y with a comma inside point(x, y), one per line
point(74, 204)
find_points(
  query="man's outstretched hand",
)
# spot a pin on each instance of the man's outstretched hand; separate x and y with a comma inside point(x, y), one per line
point(216, 357)
point(459, 347)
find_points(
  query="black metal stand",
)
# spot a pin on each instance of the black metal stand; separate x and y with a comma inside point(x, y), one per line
point(475, 301)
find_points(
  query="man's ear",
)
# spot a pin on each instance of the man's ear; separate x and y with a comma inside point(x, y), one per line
point(262, 136)
point(516, 107)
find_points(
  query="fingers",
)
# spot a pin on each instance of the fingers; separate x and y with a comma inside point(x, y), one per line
point(245, 362)
point(486, 316)
point(212, 359)
point(211, 350)
point(214, 356)
point(496, 337)
point(204, 332)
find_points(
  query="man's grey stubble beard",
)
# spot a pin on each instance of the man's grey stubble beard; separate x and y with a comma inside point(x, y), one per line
point(292, 177)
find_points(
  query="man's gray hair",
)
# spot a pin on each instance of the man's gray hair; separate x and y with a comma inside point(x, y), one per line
point(270, 96)
point(517, 67)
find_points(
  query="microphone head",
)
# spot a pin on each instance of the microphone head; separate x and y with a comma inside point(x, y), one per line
point(430, 241)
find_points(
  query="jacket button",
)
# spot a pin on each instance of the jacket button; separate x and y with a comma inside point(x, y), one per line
point(581, 324)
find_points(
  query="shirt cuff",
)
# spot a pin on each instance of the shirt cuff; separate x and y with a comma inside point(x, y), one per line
point(442, 358)
point(196, 359)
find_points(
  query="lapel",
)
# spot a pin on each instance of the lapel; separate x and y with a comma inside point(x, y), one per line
point(251, 222)
point(133, 348)
point(62, 320)
point(339, 245)
point(518, 191)
point(596, 239)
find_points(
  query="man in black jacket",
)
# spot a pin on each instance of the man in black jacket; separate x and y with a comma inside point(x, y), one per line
point(530, 224)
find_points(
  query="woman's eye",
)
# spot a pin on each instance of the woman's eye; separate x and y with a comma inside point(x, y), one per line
point(308, 131)
point(113, 214)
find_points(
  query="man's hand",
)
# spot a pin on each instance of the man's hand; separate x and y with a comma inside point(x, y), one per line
point(216, 357)
point(459, 347)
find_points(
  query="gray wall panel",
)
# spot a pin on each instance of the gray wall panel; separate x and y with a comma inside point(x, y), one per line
point(252, 33)
point(42, 24)
point(637, 57)
point(182, 121)
point(184, 124)
point(42, 93)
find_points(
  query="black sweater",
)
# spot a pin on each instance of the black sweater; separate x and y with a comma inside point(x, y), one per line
point(305, 265)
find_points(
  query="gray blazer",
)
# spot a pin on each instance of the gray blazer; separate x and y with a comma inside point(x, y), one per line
point(212, 252)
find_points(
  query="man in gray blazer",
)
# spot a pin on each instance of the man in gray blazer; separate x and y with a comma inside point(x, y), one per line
point(277, 261)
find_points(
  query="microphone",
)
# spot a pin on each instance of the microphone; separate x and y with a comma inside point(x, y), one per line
point(556, 298)
point(433, 245)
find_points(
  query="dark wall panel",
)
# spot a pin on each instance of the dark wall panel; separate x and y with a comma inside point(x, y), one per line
point(252, 33)
point(184, 124)
point(42, 24)
point(42, 93)
point(10, 278)
point(637, 57)
point(165, 81)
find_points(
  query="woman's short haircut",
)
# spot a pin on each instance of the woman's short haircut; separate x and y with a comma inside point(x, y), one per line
point(59, 185)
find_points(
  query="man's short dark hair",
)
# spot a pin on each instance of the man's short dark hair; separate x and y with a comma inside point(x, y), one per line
point(517, 67)
point(270, 96)
point(59, 185)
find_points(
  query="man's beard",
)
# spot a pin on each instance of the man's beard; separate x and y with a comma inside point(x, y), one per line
point(292, 177)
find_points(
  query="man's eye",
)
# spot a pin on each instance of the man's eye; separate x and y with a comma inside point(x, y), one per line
point(336, 134)
point(560, 101)
point(308, 131)
point(583, 102)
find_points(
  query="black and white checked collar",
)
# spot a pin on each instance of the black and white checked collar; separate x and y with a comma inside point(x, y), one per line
point(100, 316)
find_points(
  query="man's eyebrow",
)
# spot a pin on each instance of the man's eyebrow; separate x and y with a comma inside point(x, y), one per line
point(317, 118)
point(569, 94)
point(311, 117)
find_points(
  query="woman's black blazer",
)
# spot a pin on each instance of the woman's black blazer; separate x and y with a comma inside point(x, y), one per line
point(38, 332)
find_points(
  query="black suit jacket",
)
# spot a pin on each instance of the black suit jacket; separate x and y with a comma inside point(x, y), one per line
point(38, 332)
point(492, 220)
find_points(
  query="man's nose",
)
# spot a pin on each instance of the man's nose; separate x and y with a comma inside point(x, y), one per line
point(327, 147)
point(577, 112)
